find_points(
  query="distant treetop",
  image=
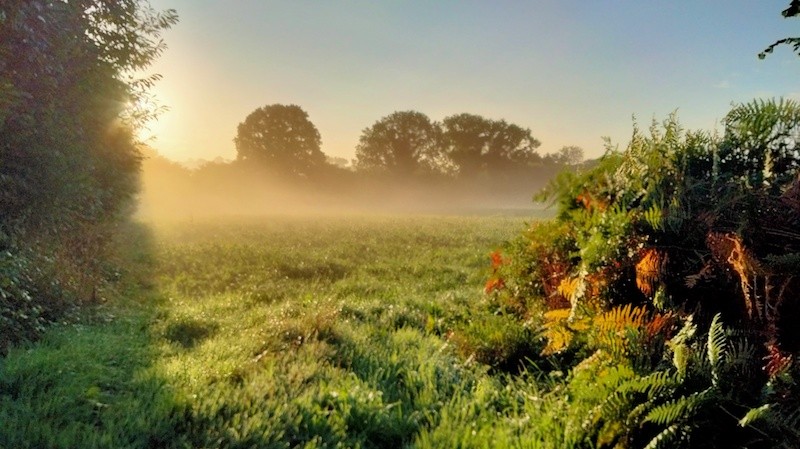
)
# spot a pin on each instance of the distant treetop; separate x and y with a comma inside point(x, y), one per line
point(282, 138)
point(403, 143)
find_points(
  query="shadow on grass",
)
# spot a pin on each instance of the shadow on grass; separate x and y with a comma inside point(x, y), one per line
point(91, 384)
point(189, 332)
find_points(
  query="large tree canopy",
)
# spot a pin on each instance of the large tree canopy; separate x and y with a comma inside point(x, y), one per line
point(474, 143)
point(404, 143)
point(281, 137)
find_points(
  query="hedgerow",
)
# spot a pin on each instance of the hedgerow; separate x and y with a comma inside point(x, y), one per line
point(69, 105)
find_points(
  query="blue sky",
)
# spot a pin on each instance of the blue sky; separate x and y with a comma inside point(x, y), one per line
point(571, 71)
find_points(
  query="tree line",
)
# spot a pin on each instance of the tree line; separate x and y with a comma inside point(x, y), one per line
point(403, 143)
point(403, 161)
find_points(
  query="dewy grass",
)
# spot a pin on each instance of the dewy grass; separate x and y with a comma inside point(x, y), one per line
point(283, 332)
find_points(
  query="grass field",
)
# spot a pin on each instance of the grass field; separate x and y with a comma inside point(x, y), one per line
point(285, 332)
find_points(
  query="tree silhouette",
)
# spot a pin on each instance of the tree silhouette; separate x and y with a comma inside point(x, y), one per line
point(567, 155)
point(474, 144)
point(466, 138)
point(792, 11)
point(282, 138)
point(404, 143)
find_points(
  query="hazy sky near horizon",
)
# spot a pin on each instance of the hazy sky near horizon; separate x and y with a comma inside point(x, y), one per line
point(572, 71)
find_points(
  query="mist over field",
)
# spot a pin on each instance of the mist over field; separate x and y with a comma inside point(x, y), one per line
point(171, 191)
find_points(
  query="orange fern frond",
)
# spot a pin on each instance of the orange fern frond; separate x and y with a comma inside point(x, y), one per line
point(497, 259)
point(727, 248)
point(660, 324)
point(568, 287)
point(650, 270)
point(494, 284)
point(620, 318)
point(556, 332)
point(776, 361)
point(623, 330)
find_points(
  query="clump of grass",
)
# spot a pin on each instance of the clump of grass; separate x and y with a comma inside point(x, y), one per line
point(501, 341)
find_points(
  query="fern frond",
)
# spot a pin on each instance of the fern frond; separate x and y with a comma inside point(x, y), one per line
point(755, 414)
point(653, 385)
point(716, 347)
point(555, 316)
point(728, 249)
point(625, 408)
point(654, 217)
point(555, 331)
point(558, 339)
point(650, 269)
point(659, 324)
point(741, 353)
point(678, 410)
point(572, 289)
point(669, 437)
point(627, 331)
point(620, 318)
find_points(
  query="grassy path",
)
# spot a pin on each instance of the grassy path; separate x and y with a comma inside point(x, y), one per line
point(287, 332)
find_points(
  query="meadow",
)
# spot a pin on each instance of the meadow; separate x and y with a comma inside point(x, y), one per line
point(323, 331)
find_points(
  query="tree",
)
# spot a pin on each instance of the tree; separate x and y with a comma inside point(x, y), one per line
point(68, 158)
point(568, 155)
point(467, 138)
point(792, 11)
point(67, 153)
point(474, 143)
point(282, 138)
point(404, 143)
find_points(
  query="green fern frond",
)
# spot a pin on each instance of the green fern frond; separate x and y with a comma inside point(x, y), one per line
point(616, 404)
point(669, 437)
point(679, 344)
point(661, 383)
point(636, 415)
point(654, 217)
point(741, 353)
point(779, 422)
point(755, 414)
point(716, 347)
point(679, 410)
point(625, 408)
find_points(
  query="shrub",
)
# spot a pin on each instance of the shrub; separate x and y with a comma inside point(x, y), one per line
point(680, 229)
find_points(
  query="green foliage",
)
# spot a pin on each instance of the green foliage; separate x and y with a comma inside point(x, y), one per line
point(21, 318)
point(68, 159)
point(498, 340)
point(650, 251)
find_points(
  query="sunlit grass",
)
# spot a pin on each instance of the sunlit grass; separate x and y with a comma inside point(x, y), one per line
point(287, 332)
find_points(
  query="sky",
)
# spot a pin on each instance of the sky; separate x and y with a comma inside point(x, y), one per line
point(573, 71)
